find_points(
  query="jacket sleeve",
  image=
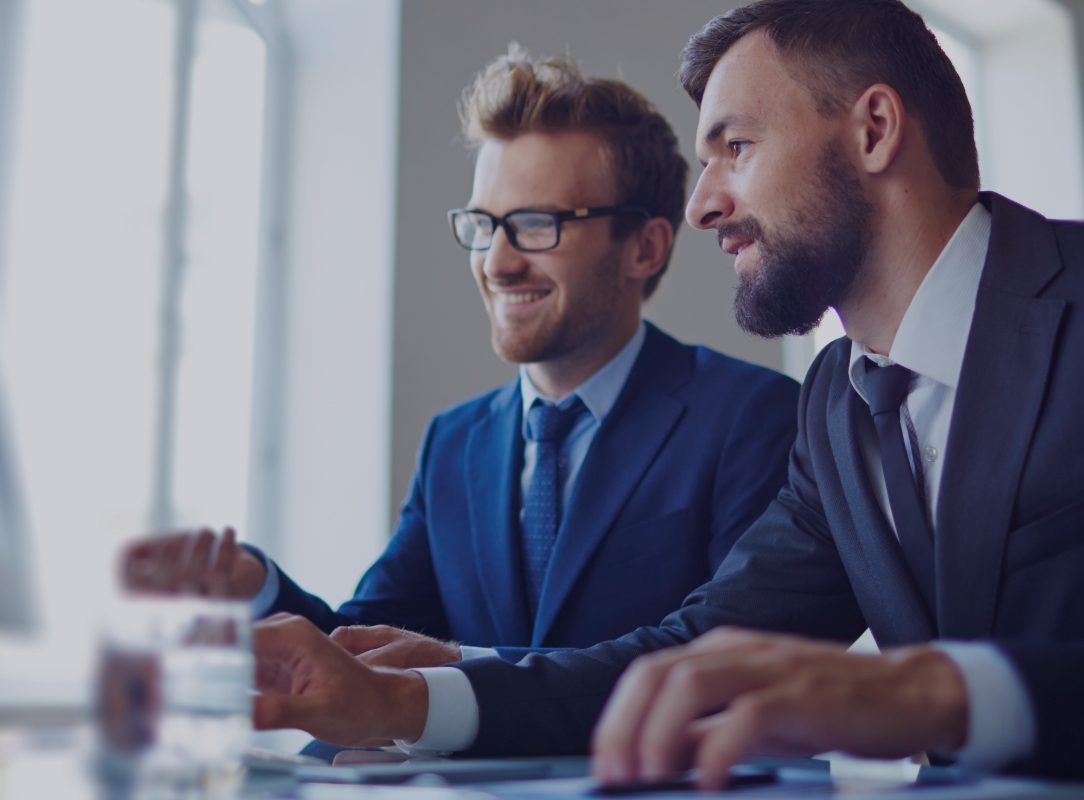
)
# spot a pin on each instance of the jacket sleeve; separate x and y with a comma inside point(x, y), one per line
point(1052, 674)
point(783, 574)
point(399, 589)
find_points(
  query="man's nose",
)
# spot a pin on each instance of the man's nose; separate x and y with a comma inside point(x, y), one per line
point(711, 201)
point(501, 259)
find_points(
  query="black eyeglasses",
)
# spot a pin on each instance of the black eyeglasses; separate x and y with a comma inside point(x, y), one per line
point(526, 228)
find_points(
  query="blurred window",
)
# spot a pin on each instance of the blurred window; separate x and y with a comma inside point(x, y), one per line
point(214, 396)
point(81, 303)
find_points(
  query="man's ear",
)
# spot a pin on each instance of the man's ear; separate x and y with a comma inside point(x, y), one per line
point(879, 119)
point(650, 247)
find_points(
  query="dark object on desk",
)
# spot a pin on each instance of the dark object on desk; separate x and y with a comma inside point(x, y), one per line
point(452, 772)
point(740, 776)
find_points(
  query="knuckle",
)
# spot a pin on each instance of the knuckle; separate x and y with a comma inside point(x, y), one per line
point(689, 677)
point(752, 709)
point(649, 665)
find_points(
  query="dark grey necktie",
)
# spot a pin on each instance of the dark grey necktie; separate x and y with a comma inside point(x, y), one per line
point(886, 389)
point(548, 426)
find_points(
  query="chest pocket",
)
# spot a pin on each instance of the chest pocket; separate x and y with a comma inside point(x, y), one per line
point(651, 539)
point(1049, 537)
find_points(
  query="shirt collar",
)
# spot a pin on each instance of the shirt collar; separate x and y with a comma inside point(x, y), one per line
point(600, 391)
point(932, 336)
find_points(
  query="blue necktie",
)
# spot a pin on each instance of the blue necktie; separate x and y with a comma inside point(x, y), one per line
point(548, 426)
point(886, 388)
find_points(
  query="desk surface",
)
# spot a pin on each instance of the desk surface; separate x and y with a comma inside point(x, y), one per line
point(46, 763)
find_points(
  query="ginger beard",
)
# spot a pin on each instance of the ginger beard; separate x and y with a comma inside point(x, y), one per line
point(813, 262)
point(578, 317)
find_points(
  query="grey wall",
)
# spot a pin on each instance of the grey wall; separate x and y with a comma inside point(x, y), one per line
point(442, 353)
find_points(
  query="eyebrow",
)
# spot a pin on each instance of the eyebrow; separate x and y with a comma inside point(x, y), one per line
point(716, 131)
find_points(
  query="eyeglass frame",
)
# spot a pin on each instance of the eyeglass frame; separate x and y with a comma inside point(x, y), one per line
point(558, 217)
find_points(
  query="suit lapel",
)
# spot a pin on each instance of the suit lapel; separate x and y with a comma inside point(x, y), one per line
point(625, 446)
point(1002, 383)
point(889, 597)
point(493, 463)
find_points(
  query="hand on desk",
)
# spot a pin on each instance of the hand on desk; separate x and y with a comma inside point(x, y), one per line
point(385, 646)
point(192, 562)
point(307, 681)
point(731, 693)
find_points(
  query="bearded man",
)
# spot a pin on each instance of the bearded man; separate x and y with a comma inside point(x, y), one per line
point(588, 497)
point(934, 490)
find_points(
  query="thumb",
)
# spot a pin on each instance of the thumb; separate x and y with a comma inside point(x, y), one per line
point(358, 639)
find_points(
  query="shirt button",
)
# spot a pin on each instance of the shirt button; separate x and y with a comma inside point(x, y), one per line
point(930, 453)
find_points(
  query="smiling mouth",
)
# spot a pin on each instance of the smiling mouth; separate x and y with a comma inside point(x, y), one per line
point(736, 244)
point(519, 298)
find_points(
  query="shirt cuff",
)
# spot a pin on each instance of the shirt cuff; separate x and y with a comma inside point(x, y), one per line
point(1001, 720)
point(452, 722)
point(269, 592)
point(466, 652)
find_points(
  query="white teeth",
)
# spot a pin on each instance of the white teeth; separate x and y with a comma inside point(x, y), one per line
point(525, 297)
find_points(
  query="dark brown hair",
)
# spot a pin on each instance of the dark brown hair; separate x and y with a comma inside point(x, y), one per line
point(839, 48)
point(515, 95)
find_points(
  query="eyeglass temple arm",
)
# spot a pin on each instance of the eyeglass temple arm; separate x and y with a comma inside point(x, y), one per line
point(602, 211)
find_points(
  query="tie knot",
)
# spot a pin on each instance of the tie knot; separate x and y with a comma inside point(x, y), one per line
point(549, 423)
point(886, 387)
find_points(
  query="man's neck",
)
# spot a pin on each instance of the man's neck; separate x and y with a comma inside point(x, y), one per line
point(558, 377)
point(906, 241)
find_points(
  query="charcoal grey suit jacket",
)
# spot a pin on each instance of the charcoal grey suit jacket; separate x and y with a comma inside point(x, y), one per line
point(822, 561)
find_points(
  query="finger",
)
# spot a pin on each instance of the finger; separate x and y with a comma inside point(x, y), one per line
point(378, 657)
point(613, 743)
point(287, 638)
point(135, 559)
point(169, 562)
point(194, 572)
point(160, 566)
point(696, 684)
point(729, 737)
point(272, 676)
point(727, 637)
point(358, 639)
point(140, 560)
point(273, 710)
point(222, 561)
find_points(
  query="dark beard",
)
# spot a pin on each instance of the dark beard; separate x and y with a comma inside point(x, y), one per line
point(811, 265)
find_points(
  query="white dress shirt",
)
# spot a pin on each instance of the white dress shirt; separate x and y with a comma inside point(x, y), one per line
point(930, 341)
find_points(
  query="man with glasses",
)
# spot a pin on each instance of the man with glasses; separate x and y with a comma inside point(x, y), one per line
point(590, 496)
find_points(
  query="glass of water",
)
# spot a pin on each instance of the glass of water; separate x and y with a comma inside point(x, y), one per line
point(175, 699)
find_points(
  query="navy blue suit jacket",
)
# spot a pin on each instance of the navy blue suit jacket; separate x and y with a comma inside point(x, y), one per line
point(693, 450)
point(823, 562)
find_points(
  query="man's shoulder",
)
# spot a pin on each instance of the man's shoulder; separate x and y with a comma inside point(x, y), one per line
point(716, 389)
point(1070, 236)
point(464, 414)
point(711, 370)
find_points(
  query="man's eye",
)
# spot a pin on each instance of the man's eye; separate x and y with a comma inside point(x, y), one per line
point(738, 146)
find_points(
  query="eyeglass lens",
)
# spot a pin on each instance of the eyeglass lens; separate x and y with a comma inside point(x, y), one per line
point(533, 230)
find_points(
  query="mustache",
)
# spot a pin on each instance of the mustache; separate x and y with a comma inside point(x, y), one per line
point(742, 227)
